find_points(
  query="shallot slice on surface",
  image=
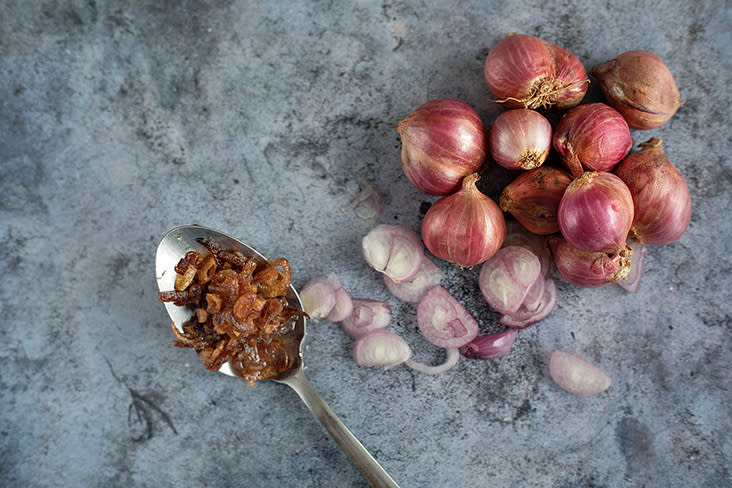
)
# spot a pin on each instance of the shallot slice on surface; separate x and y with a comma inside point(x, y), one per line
point(489, 346)
point(367, 205)
point(318, 298)
point(525, 316)
point(451, 359)
point(380, 348)
point(366, 316)
point(393, 250)
point(343, 304)
point(577, 375)
point(443, 321)
point(506, 278)
point(412, 291)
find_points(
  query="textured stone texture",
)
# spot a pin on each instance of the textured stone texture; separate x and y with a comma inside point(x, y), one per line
point(120, 120)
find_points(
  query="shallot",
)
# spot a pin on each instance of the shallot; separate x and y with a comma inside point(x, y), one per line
point(380, 348)
point(393, 250)
point(524, 71)
point(577, 375)
point(507, 277)
point(641, 87)
point(531, 313)
point(343, 303)
point(533, 198)
point(520, 139)
point(412, 291)
point(366, 316)
point(589, 269)
point(443, 321)
point(662, 204)
point(442, 142)
point(464, 228)
point(318, 298)
point(632, 282)
point(367, 205)
point(596, 212)
point(489, 346)
point(592, 136)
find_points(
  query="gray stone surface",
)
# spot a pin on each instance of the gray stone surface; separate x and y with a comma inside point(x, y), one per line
point(120, 120)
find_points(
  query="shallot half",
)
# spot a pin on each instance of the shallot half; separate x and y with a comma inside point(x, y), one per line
point(524, 71)
point(393, 250)
point(577, 375)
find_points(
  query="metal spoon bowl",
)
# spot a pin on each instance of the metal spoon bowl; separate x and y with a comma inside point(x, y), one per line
point(171, 249)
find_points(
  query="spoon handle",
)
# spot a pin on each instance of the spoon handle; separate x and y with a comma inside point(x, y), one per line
point(359, 456)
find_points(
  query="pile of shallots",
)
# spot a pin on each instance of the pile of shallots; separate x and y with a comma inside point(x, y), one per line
point(589, 215)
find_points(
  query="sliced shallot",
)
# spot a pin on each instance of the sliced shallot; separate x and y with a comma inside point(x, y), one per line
point(343, 305)
point(366, 316)
point(577, 375)
point(367, 205)
point(453, 355)
point(632, 282)
point(506, 278)
point(393, 250)
point(380, 348)
point(318, 298)
point(443, 320)
point(412, 291)
point(489, 346)
point(525, 316)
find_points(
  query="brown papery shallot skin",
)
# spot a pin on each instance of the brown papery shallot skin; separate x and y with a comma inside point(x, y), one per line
point(524, 71)
point(533, 198)
point(465, 228)
point(443, 141)
point(593, 136)
point(641, 87)
point(588, 269)
point(660, 195)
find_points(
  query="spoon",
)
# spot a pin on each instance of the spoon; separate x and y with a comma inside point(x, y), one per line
point(171, 249)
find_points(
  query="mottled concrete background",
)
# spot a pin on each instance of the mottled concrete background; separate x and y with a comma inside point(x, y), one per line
point(120, 120)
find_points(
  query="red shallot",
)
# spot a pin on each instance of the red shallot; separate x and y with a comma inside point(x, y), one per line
point(662, 204)
point(641, 87)
point(366, 316)
point(529, 314)
point(443, 321)
point(516, 235)
point(464, 228)
point(589, 269)
point(451, 359)
point(318, 298)
point(533, 198)
point(393, 250)
point(343, 304)
point(506, 278)
point(577, 375)
point(596, 212)
point(524, 71)
point(592, 136)
point(412, 291)
point(442, 142)
point(489, 346)
point(520, 139)
point(380, 348)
